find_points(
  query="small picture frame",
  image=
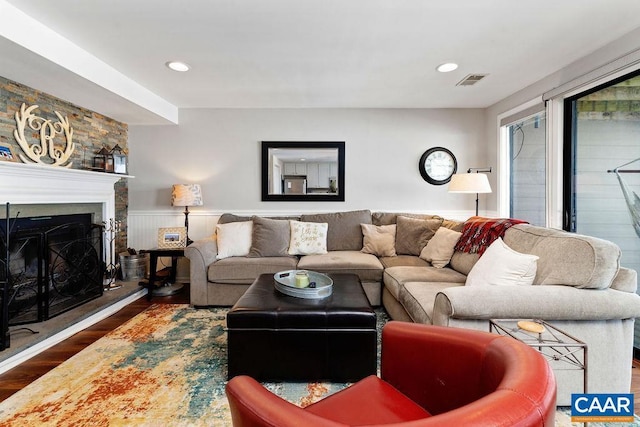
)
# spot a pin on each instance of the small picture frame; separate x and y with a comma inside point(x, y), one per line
point(172, 238)
point(7, 154)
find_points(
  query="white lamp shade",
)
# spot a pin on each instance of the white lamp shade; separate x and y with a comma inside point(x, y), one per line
point(186, 195)
point(469, 183)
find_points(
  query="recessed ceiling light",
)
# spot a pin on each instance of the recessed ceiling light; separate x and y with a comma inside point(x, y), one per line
point(446, 67)
point(178, 66)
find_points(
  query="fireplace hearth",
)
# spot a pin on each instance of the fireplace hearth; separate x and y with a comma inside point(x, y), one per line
point(55, 264)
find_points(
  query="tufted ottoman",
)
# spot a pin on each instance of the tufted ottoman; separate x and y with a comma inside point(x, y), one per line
point(276, 337)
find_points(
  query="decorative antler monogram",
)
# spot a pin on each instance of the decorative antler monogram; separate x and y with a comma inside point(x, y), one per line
point(47, 152)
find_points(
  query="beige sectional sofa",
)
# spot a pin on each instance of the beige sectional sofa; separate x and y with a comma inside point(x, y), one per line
point(578, 284)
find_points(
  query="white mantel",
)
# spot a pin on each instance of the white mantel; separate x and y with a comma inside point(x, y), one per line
point(25, 184)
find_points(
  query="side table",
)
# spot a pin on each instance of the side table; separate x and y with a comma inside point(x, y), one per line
point(171, 287)
point(553, 343)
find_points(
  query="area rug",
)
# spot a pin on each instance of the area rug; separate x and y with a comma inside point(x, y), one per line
point(165, 367)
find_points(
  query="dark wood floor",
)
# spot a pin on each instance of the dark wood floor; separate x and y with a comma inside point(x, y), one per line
point(20, 376)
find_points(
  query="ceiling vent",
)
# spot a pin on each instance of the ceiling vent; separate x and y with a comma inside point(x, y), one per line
point(471, 79)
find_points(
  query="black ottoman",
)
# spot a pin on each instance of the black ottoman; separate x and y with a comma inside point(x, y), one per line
point(276, 337)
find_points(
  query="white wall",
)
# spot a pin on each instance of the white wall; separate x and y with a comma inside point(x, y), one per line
point(220, 149)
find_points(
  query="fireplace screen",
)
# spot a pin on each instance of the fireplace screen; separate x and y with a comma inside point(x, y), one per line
point(55, 264)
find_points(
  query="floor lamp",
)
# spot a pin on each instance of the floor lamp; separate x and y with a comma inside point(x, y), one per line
point(474, 181)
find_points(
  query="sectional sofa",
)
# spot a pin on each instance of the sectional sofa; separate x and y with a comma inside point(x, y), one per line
point(427, 269)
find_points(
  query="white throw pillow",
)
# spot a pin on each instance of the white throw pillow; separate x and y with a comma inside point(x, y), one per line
point(234, 239)
point(439, 249)
point(501, 265)
point(308, 238)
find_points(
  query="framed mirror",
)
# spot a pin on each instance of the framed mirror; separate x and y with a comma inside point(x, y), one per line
point(303, 171)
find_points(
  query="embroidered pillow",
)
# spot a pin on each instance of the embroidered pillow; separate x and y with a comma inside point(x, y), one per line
point(308, 238)
point(234, 239)
point(501, 265)
point(439, 249)
point(379, 240)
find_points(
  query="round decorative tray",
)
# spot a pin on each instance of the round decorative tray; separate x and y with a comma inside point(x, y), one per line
point(320, 285)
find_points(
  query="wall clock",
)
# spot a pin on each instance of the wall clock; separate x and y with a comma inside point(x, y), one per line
point(437, 165)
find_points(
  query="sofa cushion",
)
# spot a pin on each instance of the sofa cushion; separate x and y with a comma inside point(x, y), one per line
point(463, 262)
point(270, 237)
point(366, 266)
point(344, 233)
point(403, 261)
point(244, 270)
point(234, 239)
point(439, 249)
point(418, 299)
point(413, 234)
point(307, 238)
point(395, 277)
point(501, 265)
point(386, 218)
point(567, 258)
point(379, 240)
point(227, 218)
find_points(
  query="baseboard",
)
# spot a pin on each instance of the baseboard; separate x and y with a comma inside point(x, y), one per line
point(38, 348)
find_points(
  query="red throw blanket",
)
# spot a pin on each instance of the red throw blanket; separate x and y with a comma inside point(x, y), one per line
point(478, 233)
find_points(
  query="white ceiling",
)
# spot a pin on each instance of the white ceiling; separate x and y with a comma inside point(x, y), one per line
point(296, 53)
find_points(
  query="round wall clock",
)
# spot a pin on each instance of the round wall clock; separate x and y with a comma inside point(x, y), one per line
point(437, 165)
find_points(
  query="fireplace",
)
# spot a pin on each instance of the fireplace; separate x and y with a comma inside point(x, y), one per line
point(28, 185)
point(55, 264)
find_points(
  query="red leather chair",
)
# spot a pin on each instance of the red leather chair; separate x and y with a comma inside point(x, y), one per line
point(431, 376)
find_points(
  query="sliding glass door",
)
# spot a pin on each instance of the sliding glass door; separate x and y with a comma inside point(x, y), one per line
point(602, 166)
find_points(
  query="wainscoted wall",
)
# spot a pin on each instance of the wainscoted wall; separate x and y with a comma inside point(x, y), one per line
point(91, 131)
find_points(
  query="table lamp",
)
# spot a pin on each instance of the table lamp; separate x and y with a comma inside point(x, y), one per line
point(471, 183)
point(186, 195)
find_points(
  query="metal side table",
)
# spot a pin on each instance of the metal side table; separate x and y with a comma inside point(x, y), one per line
point(568, 352)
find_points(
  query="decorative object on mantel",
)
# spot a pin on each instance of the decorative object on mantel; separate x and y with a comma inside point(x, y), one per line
point(6, 153)
point(186, 195)
point(470, 182)
point(47, 152)
point(100, 160)
point(111, 271)
point(119, 160)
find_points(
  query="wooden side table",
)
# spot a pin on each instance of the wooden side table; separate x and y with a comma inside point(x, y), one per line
point(171, 287)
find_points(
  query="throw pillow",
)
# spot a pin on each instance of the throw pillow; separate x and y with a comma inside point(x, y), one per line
point(501, 265)
point(379, 240)
point(439, 249)
point(308, 238)
point(270, 237)
point(234, 239)
point(344, 232)
point(412, 234)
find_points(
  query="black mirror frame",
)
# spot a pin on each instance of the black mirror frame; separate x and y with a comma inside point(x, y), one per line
point(266, 197)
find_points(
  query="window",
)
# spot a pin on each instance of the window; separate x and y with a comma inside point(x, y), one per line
point(524, 147)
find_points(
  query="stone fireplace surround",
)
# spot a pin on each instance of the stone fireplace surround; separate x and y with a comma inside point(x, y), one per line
point(33, 184)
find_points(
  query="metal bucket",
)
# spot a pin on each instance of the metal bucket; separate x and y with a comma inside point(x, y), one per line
point(134, 267)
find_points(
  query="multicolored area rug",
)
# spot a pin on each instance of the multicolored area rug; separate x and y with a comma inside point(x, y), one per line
point(165, 367)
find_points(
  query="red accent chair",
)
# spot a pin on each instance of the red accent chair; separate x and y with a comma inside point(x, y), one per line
point(431, 376)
